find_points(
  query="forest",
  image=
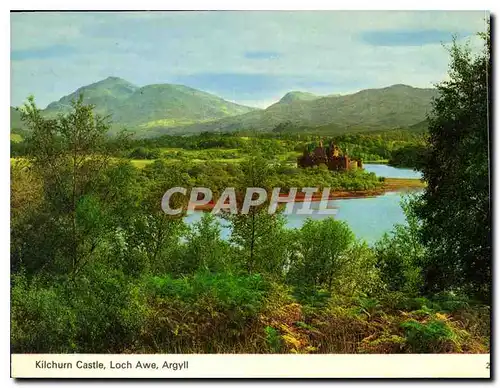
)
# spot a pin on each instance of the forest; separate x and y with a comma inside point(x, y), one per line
point(395, 146)
point(98, 267)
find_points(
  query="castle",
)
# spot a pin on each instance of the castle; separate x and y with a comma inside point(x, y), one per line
point(330, 156)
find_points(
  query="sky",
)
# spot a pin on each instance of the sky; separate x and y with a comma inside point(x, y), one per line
point(252, 57)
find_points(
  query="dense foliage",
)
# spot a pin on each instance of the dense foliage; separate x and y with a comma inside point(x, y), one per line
point(456, 209)
point(397, 147)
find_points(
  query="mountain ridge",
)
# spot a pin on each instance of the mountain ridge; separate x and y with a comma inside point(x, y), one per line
point(297, 95)
point(158, 109)
point(97, 93)
point(144, 107)
point(393, 106)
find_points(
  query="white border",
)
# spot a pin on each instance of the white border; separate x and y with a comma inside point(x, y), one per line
point(155, 5)
point(254, 5)
point(253, 365)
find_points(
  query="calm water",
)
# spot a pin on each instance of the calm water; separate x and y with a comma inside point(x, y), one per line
point(392, 172)
point(369, 218)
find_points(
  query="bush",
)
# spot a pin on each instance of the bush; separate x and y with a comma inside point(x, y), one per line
point(204, 313)
point(273, 339)
point(433, 336)
point(110, 310)
point(229, 292)
point(100, 312)
point(144, 153)
point(42, 321)
point(400, 254)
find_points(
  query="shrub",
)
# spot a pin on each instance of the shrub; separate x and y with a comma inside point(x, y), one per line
point(96, 312)
point(110, 310)
point(144, 153)
point(204, 313)
point(228, 291)
point(42, 321)
point(273, 339)
point(433, 336)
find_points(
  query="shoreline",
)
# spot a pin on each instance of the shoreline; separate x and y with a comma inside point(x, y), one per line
point(389, 185)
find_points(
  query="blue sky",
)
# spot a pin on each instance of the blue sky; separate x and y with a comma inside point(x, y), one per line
point(248, 57)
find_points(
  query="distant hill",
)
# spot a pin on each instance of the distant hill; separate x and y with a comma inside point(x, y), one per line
point(297, 96)
point(395, 106)
point(149, 108)
point(420, 127)
point(159, 109)
point(167, 105)
point(106, 95)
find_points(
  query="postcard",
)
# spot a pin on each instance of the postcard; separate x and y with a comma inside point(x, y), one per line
point(248, 194)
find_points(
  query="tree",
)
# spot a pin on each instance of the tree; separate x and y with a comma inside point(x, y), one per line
point(323, 251)
point(204, 249)
point(400, 254)
point(262, 240)
point(260, 236)
point(455, 209)
point(151, 232)
point(69, 155)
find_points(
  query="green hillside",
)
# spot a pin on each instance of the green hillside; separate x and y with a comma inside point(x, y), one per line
point(297, 96)
point(159, 109)
point(106, 95)
point(166, 105)
point(391, 107)
point(420, 127)
point(150, 108)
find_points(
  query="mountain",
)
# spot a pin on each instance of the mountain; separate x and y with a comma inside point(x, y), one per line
point(420, 127)
point(149, 108)
point(297, 96)
point(395, 106)
point(166, 105)
point(159, 109)
point(106, 95)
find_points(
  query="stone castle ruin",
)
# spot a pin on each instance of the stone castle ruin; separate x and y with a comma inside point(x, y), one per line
point(329, 156)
